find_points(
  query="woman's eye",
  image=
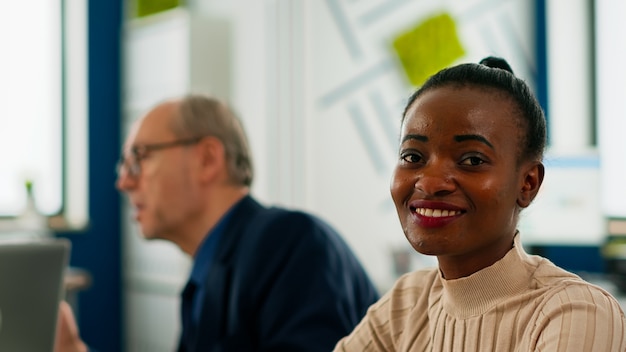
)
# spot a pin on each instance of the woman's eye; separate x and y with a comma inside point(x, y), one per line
point(472, 161)
point(410, 157)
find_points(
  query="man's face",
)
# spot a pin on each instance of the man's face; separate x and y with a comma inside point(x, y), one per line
point(163, 193)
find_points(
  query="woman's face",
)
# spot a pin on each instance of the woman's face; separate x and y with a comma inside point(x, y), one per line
point(458, 184)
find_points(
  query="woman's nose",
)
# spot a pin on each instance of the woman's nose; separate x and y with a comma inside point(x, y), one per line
point(435, 180)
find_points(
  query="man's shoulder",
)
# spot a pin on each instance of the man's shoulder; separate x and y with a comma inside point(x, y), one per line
point(282, 228)
point(261, 212)
point(274, 217)
point(280, 222)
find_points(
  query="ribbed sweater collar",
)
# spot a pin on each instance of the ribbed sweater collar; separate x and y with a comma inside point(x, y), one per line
point(481, 291)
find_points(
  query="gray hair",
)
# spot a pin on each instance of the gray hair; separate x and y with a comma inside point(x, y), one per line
point(202, 115)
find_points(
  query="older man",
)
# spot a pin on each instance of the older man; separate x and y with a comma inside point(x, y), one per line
point(263, 279)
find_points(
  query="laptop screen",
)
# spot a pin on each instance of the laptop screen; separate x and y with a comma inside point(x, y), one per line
point(31, 287)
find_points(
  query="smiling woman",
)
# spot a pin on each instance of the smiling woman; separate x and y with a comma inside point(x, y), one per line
point(470, 160)
point(453, 158)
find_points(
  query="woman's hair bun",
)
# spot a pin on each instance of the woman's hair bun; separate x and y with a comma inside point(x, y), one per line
point(496, 62)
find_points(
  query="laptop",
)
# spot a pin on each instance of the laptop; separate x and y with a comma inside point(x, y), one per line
point(31, 287)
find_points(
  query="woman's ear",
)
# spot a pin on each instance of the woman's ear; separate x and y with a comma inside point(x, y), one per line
point(531, 182)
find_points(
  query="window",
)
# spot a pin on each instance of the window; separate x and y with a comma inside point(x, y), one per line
point(43, 110)
point(30, 138)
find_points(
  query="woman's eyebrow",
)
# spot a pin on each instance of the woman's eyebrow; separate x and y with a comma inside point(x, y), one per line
point(418, 137)
point(473, 137)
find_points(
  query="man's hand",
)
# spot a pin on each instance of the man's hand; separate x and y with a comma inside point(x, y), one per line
point(67, 338)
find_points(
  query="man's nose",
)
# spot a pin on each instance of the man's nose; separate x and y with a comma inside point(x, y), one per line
point(125, 181)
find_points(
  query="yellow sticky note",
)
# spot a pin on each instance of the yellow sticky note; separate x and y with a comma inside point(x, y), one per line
point(428, 47)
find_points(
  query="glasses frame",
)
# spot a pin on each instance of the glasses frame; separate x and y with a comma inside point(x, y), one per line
point(132, 164)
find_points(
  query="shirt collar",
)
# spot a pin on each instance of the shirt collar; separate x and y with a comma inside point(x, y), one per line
point(207, 248)
point(479, 292)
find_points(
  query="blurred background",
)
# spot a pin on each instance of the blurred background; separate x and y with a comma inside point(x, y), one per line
point(320, 86)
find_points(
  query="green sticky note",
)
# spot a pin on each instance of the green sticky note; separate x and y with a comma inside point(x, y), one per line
point(428, 47)
point(149, 7)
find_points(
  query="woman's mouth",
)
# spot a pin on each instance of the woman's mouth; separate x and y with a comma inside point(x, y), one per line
point(433, 217)
point(436, 213)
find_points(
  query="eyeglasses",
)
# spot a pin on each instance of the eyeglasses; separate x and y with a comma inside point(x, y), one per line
point(132, 165)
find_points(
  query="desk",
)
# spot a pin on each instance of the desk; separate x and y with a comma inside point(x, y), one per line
point(75, 280)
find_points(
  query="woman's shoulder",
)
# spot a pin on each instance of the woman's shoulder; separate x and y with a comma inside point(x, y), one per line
point(565, 288)
point(409, 288)
point(550, 276)
point(417, 280)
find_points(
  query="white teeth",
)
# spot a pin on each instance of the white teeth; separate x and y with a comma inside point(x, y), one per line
point(436, 213)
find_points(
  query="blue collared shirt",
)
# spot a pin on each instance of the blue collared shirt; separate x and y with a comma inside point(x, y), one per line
point(202, 261)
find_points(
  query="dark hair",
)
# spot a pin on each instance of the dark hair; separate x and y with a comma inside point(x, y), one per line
point(494, 72)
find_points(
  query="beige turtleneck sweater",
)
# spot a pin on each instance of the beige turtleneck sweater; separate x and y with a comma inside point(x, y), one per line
point(520, 303)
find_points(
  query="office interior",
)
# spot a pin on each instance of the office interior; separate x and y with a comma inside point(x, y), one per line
point(320, 86)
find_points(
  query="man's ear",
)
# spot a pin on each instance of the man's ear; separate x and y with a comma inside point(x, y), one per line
point(531, 182)
point(212, 158)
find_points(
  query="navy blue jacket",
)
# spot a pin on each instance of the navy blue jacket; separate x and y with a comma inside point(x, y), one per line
point(280, 280)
